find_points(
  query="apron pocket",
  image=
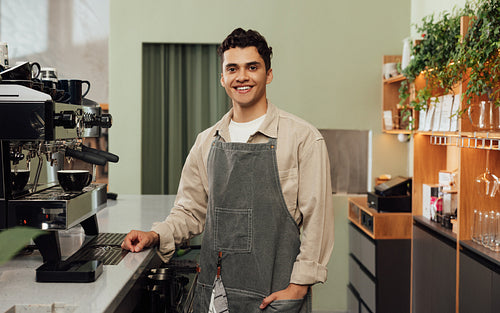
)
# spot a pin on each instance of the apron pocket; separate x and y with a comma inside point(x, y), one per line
point(288, 306)
point(233, 230)
point(243, 301)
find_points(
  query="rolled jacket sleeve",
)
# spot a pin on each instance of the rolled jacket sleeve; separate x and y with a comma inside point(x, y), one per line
point(315, 203)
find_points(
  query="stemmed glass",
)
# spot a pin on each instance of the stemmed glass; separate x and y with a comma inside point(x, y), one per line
point(487, 183)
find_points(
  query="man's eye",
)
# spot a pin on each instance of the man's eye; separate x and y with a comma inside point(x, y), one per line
point(253, 67)
point(231, 69)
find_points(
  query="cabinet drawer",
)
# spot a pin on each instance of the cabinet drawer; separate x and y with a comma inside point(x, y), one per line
point(352, 301)
point(362, 283)
point(364, 309)
point(362, 248)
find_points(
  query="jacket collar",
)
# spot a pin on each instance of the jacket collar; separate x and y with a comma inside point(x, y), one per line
point(269, 126)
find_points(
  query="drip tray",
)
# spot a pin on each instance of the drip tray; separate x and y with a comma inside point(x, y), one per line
point(87, 263)
point(108, 255)
point(105, 247)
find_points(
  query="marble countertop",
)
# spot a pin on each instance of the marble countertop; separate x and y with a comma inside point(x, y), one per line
point(17, 277)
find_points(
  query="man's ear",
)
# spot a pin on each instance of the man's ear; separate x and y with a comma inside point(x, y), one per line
point(222, 80)
point(269, 78)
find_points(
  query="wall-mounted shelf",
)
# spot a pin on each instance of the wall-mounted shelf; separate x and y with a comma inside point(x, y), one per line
point(390, 100)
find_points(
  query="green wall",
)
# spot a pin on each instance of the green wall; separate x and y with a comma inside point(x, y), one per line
point(421, 8)
point(326, 65)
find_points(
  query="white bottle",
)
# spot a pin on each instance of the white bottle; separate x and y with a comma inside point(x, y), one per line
point(406, 53)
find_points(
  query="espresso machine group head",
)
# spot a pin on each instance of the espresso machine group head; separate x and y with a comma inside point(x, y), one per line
point(37, 135)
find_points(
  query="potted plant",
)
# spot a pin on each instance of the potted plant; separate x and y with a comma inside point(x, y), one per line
point(433, 58)
point(14, 239)
point(480, 53)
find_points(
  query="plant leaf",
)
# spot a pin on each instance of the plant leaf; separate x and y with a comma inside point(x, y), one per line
point(14, 239)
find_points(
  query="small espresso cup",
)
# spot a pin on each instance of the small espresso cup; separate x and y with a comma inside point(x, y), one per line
point(74, 88)
point(74, 180)
point(48, 74)
point(19, 179)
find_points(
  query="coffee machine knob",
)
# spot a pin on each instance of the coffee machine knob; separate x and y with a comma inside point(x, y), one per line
point(105, 120)
point(66, 119)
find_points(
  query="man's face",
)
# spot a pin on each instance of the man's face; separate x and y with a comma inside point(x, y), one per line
point(244, 76)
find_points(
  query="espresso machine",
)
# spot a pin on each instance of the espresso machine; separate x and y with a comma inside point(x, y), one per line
point(38, 134)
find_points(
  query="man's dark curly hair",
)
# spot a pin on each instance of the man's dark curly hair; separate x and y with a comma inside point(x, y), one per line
point(241, 38)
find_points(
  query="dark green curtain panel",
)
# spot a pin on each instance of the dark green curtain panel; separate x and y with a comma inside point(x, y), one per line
point(181, 96)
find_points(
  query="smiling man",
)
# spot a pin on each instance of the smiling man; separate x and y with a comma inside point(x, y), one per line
point(257, 184)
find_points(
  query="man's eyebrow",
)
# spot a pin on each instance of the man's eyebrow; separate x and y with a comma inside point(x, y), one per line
point(247, 64)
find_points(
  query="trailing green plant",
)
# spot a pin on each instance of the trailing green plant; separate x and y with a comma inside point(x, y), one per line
point(479, 52)
point(431, 57)
point(434, 57)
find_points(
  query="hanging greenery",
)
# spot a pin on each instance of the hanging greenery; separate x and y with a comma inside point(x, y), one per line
point(479, 52)
point(433, 57)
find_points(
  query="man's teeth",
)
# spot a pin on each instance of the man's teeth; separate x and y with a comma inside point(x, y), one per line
point(243, 88)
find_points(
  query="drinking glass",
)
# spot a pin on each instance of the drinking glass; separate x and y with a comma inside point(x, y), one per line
point(476, 226)
point(491, 229)
point(485, 234)
point(496, 245)
point(484, 116)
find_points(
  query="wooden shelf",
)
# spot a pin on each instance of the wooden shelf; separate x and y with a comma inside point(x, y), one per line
point(398, 131)
point(395, 79)
point(391, 101)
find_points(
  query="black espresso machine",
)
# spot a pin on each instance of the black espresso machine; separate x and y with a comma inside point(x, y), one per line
point(37, 135)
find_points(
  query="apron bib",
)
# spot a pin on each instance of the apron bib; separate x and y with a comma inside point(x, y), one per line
point(249, 224)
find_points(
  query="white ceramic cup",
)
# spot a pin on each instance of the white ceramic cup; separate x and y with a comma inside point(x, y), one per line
point(390, 70)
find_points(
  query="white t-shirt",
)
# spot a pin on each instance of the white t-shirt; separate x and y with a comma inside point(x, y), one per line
point(240, 132)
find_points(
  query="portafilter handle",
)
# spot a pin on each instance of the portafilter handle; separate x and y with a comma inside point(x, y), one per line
point(107, 155)
point(86, 156)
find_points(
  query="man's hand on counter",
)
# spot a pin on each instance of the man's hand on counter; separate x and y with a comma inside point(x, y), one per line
point(137, 240)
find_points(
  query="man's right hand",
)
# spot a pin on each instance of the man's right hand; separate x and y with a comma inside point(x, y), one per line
point(137, 240)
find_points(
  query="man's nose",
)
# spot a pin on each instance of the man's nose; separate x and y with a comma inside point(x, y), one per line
point(242, 75)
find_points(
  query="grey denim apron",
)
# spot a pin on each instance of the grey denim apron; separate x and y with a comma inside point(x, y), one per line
point(249, 223)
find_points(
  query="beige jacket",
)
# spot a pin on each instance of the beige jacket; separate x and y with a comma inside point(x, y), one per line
point(304, 172)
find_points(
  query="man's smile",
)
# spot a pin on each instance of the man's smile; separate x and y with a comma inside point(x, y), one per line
point(243, 89)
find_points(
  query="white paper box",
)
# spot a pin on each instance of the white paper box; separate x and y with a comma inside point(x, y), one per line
point(446, 107)
point(428, 118)
point(454, 113)
point(426, 198)
point(388, 120)
point(450, 202)
point(437, 114)
point(447, 180)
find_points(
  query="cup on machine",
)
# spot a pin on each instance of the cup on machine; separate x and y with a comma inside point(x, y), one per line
point(74, 180)
point(21, 71)
point(19, 178)
point(73, 87)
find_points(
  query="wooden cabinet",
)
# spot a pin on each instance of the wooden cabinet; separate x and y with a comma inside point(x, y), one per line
point(434, 270)
point(379, 259)
point(479, 283)
point(464, 151)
